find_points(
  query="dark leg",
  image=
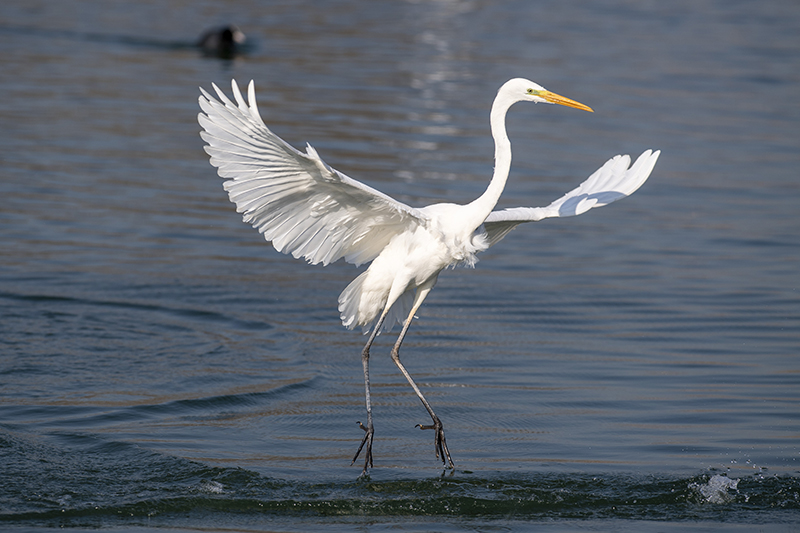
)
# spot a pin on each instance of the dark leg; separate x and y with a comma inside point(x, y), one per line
point(439, 442)
point(368, 430)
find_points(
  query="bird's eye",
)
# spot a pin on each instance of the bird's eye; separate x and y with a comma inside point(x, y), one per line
point(530, 91)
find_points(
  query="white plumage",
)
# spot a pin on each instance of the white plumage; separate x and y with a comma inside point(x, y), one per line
point(310, 210)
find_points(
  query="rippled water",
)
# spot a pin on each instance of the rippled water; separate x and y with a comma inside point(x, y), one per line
point(635, 368)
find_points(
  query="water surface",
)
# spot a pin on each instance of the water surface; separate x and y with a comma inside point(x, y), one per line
point(635, 368)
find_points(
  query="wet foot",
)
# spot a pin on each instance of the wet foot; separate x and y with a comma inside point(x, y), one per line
point(439, 442)
point(368, 432)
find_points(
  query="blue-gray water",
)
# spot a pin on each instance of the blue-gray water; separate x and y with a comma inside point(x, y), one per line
point(636, 368)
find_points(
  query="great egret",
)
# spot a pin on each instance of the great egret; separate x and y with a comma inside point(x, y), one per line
point(308, 209)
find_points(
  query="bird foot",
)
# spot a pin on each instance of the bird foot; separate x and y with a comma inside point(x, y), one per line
point(439, 442)
point(368, 432)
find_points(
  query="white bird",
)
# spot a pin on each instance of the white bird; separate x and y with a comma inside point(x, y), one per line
point(306, 208)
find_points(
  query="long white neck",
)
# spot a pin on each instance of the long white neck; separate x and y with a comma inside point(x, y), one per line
point(483, 205)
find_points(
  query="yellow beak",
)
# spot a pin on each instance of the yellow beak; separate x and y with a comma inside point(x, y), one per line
point(554, 98)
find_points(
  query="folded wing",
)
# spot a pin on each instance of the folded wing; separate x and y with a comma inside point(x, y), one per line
point(612, 181)
point(299, 203)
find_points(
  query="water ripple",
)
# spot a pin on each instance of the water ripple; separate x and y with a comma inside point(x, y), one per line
point(122, 484)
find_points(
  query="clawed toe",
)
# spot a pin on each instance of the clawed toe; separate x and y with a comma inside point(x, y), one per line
point(368, 432)
point(439, 442)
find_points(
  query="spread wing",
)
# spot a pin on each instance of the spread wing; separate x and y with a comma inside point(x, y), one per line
point(609, 183)
point(299, 203)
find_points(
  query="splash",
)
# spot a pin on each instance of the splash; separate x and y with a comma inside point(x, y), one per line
point(717, 490)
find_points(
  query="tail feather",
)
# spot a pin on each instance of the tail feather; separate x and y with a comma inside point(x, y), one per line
point(353, 313)
point(349, 301)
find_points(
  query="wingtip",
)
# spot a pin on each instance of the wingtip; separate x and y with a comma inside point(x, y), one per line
point(251, 99)
point(652, 157)
point(220, 94)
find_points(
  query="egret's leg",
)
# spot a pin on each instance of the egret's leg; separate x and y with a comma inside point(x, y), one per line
point(368, 430)
point(439, 442)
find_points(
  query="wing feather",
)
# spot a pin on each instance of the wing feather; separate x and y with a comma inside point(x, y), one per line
point(299, 203)
point(609, 183)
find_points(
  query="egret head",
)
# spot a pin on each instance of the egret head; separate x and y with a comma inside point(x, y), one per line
point(522, 90)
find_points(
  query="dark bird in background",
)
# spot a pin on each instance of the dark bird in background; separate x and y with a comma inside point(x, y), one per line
point(223, 41)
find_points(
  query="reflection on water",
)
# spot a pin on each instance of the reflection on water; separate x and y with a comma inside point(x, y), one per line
point(631, 363)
